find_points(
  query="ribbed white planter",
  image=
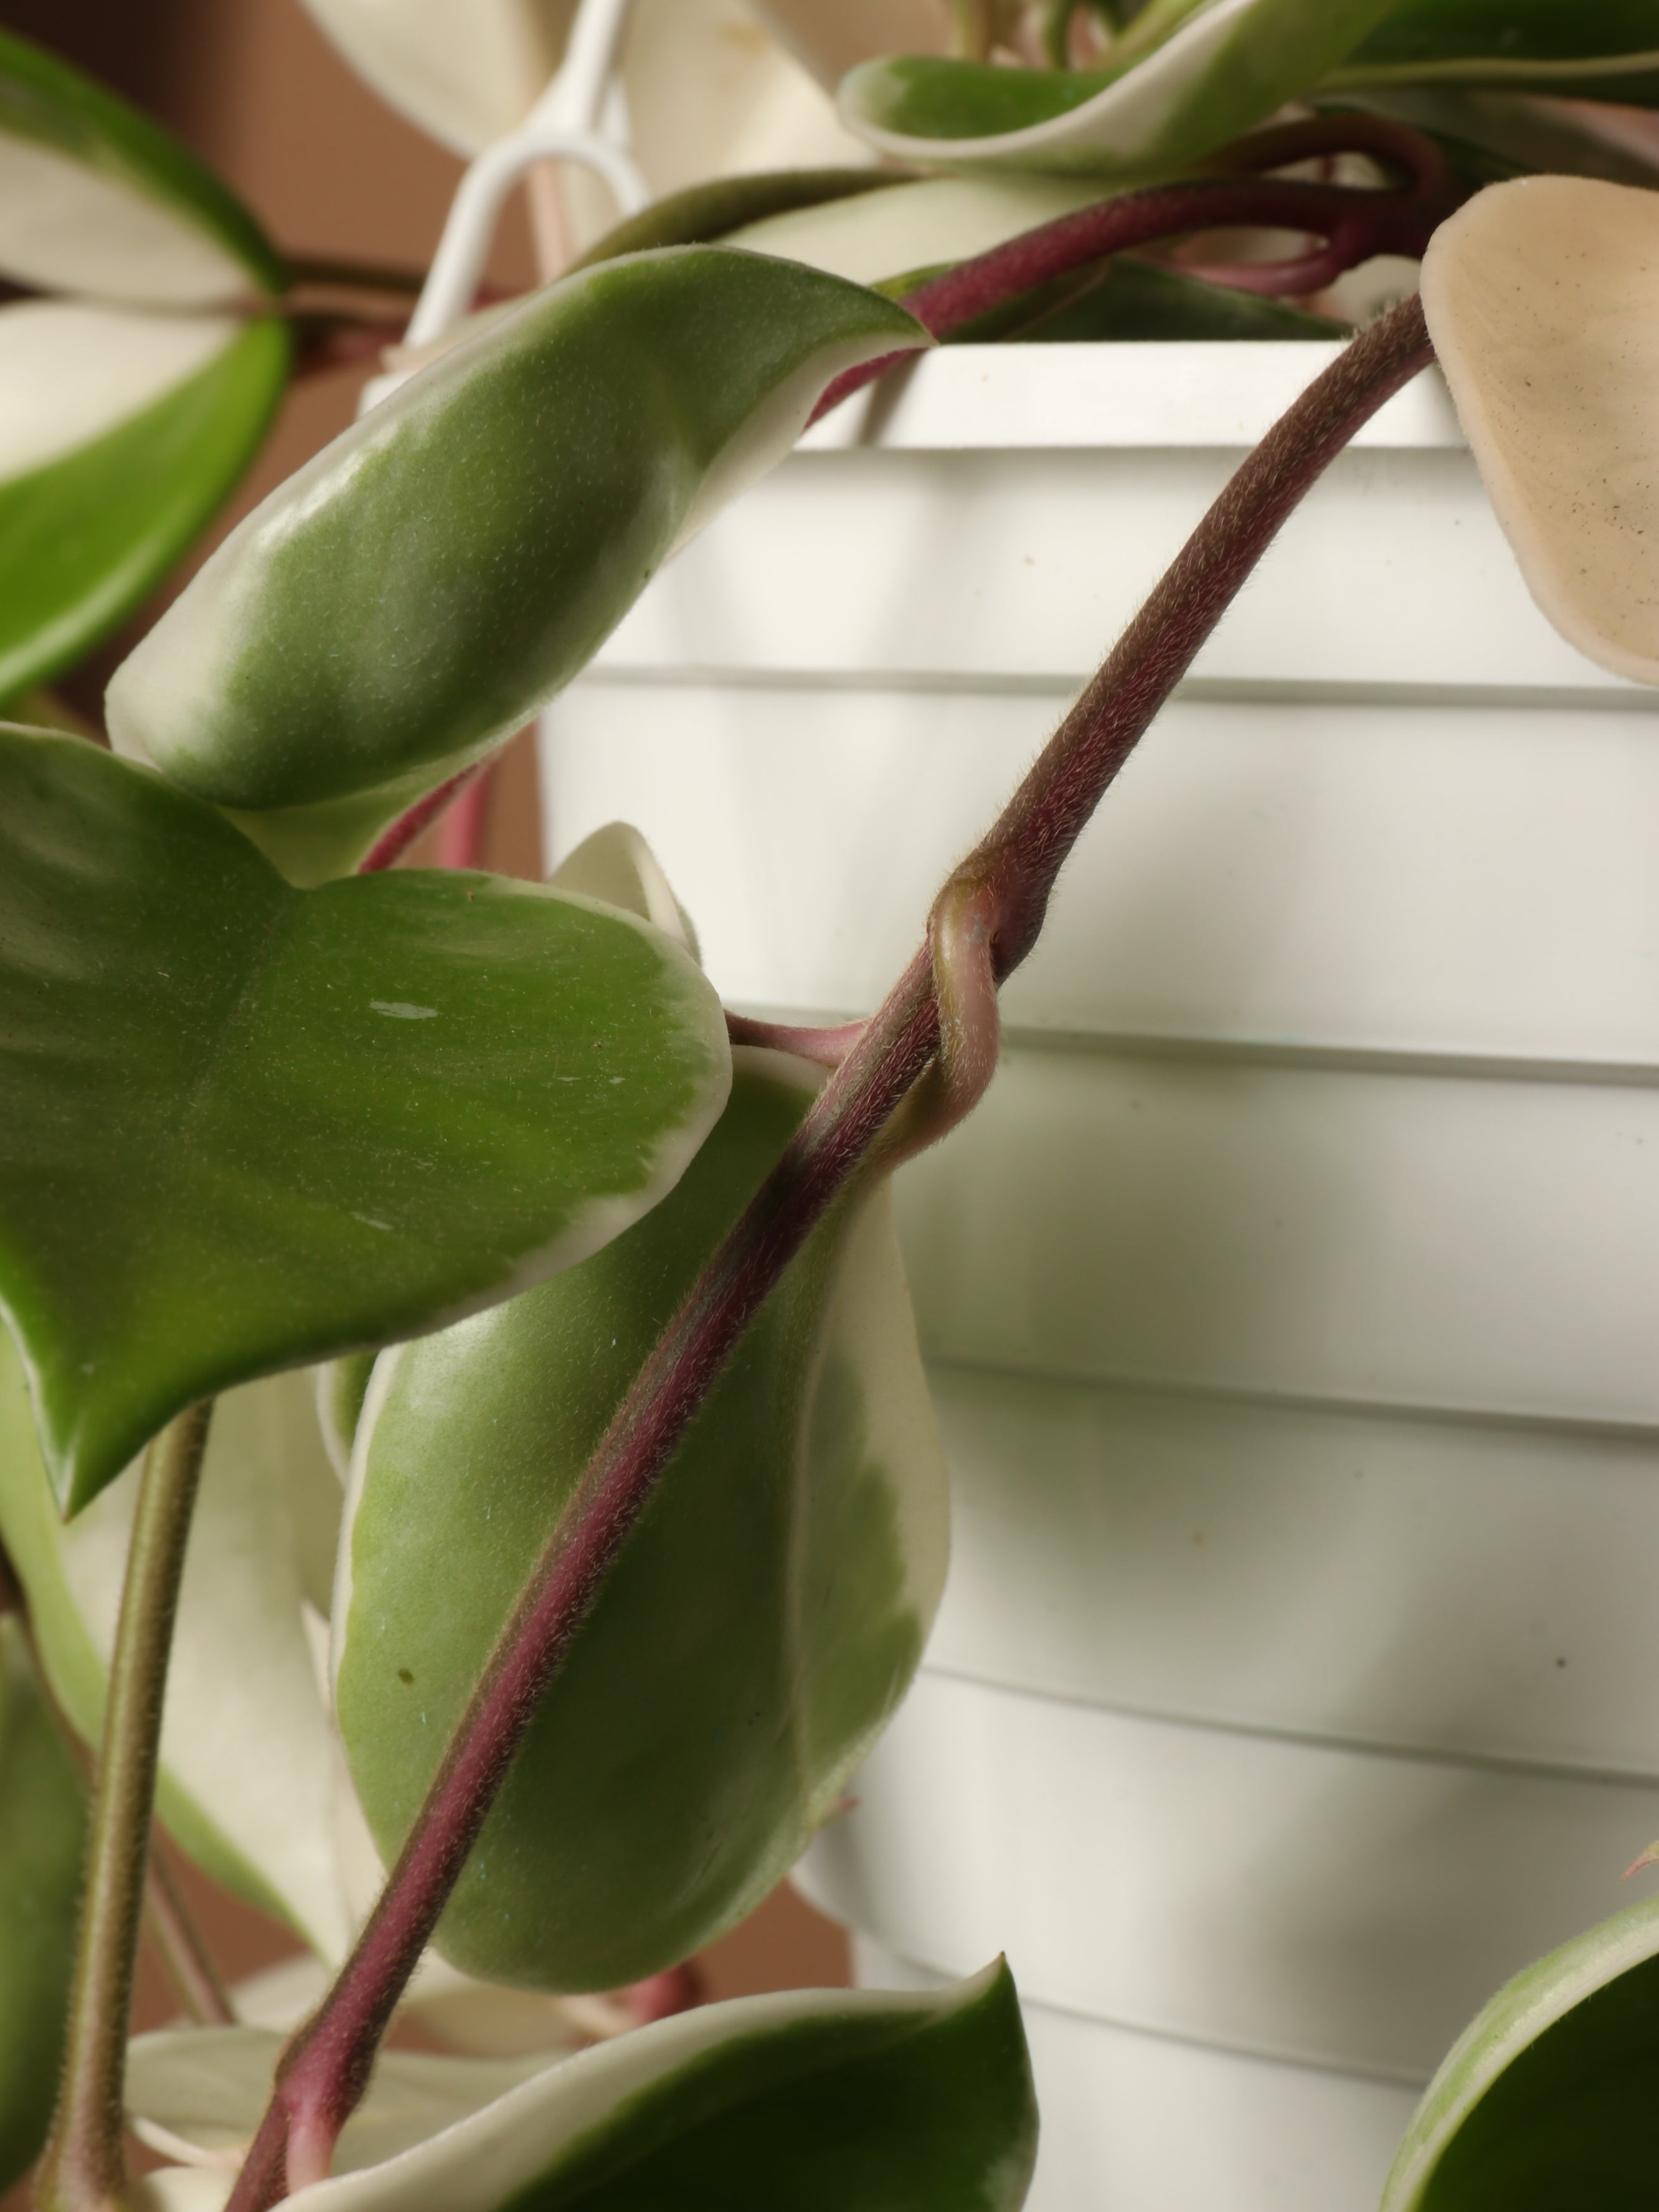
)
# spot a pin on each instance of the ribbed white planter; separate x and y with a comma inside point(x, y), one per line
point(1292, 1299)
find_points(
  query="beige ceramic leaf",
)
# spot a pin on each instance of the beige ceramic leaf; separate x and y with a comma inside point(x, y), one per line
point(1542, 298)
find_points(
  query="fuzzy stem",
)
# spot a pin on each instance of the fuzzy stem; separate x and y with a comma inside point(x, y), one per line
point(84, 2169)
point(1355, 225)
point(185, 1956)
point(327, 2065)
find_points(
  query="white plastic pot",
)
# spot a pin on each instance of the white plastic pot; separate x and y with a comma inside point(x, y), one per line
point(1292, 1300)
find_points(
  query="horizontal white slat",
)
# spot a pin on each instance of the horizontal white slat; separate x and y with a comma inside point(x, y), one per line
point(1470, 1244)
point(1083, 398)
point(1292, 1900)
point(1131, 2119)
point(1428, 1585)
point(1469, 880)
point(1393, 571)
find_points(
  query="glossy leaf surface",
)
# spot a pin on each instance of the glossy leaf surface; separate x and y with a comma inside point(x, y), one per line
point(121, 436)
point(763, 1620)
point(1186, 78)
point(95, 198)
point(249, 1764)
point(243, 1128)
point(1547, 2099)
point(1543, 298)
point(1595, 49)
point(410, 596)
point(819, 2100)
point(42, 1842)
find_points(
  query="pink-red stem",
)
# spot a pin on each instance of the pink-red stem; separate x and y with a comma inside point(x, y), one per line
point(1355, 225)
point(326, 2067)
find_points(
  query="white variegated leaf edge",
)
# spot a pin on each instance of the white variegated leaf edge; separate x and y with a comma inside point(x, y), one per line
point(1538, 1997)
point(69, 227)
point(72, 371)
point(872, 1324)
point(197, 2095)
point(904, 227)
point(477, 2163)
point(247, 1741)
point(617, 866)
point(1127, 118)
point(188, 655)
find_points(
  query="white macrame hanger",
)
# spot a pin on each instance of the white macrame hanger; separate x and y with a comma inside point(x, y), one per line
point(576, 120)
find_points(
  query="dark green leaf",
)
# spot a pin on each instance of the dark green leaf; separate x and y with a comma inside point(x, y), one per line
point(85, 537)
point(414, 593)
point(42, 1840)
point(812, 2100)
point(95, 198)
point(761, 1625)
point(243, 1128)
point(1140, 300)
point(1547, 2101)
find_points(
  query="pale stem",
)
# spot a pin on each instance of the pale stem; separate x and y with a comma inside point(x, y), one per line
point(84, 2169)
point(326, 2067)
point(188, 1962)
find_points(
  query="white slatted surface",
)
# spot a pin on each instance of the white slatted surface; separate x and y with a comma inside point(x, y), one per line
point(1292, 1298)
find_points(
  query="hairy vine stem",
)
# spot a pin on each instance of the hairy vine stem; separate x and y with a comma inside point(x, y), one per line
point(84, 2169)
point(990, 912)
point(1355, 224)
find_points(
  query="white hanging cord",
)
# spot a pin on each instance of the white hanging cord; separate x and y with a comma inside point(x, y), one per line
point(573, 121)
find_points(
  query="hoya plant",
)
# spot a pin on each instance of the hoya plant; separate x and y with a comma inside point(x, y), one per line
point(465, 1468)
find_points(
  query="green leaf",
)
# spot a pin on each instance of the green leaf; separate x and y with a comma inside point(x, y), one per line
point(703, 213)
point(818, 2100)
point(1186, 78)
point(1490, 137)
point(466, 71)
point(759, 1626)
point(1547, 2099)
point(928, 224)
point(1594, 49)
point(94, 199)
point(121, 436)
point(42, 1843)
point(243, 1128)
point(417, 591)
point(249, 1764)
